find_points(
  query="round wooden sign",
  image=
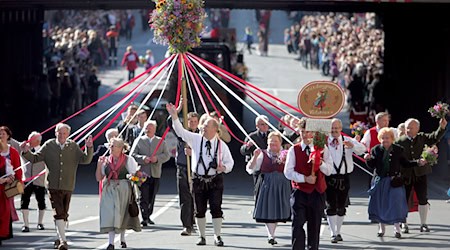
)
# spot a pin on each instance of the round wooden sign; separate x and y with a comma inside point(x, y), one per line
point(321, 99)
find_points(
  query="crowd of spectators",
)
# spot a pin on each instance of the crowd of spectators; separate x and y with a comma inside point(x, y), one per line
point(75, 46)
point(347, 47)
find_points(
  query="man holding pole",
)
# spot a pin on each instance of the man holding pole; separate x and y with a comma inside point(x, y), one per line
point(184, 192)
point(211, 158)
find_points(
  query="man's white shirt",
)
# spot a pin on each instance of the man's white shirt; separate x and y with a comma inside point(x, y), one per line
point(194, 140)
point(336, 153)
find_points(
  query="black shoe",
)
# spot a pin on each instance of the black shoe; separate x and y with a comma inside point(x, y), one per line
point(123, 244)
point(151, 222)
point(25, 229)
point(424, 228)
point(334, 239)
point(40, 227)
point(144, 223)
point(64, 246)
point(398, 235)
point(110, 247)
point(218, 242)
point(405, 229)
point(339, 237)
point(272, 241)
point(56, 244)
point(380, 234)
point(201, 241)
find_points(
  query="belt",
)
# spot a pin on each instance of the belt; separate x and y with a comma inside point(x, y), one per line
point(205, 178)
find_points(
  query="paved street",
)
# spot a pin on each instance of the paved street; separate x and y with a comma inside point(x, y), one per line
point(282, 76)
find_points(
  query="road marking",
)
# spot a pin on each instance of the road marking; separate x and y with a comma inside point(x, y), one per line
point(152, 217)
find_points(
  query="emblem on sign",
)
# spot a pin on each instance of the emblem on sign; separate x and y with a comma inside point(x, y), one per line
point(321, 99)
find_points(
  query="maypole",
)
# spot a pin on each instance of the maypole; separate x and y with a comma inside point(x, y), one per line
point(185, 119)
point(178, 24)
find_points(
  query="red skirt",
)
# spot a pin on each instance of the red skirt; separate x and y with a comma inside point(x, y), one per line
point(5, 215)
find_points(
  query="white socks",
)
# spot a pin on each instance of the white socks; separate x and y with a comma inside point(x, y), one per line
point(423, 213)
point(382, 228)
point(61, 230)
point(332, 221)
point(111, 236)
point(26, 214)
point(397, 227)
point(270, 227)
point(201, 225)
point(122, 236)
point(41, 216)
point(217, 224)
point(339, 222)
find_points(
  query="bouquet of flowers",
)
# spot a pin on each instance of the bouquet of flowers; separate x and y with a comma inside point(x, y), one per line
point(358, 128)
point(280, 158)
point(138, 178)
point(430, 154)
point(439, 110)
point(319, 140)
point(177, 23)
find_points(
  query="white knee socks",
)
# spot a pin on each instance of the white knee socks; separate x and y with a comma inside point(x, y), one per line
point(332, 221)
point(26, 214)
point(397, 227)
point(111, 236)
point(423, 213)
point(339, 222)
point(122, 236)
point(201, 225)
point(217, 224)
point(61, 229)
point(41, 216)
point(382, 228)
point(270, 227)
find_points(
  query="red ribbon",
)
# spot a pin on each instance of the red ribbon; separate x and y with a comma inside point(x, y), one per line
point(317, 156)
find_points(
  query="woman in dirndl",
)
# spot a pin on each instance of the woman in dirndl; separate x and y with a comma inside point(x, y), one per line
point(387, 202)
point(116, 192)
point(272, 201)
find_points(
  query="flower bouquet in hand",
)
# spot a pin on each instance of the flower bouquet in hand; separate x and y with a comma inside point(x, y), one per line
point(430, 154)
point(319, 141)
point(137, 178)
point(358, 128)
point(439, 110)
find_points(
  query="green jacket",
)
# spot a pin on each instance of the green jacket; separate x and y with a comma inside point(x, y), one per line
point(413, 150)
point(62, 164)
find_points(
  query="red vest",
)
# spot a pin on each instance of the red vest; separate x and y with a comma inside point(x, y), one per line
point(268, 167)
point(304, 168)
point(373, 138)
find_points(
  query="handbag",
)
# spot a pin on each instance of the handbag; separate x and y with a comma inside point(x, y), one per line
point(133, 208)
point(14, 188)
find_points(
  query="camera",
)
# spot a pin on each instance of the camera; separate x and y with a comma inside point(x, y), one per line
point(213, 164)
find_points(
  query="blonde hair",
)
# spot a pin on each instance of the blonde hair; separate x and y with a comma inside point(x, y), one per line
point(387, 131)
point(275, 134)
point(120, 142)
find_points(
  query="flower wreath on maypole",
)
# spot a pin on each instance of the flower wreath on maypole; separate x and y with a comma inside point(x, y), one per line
point(178, 23)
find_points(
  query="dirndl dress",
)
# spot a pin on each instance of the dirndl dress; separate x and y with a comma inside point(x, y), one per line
point(387, 204)
point(273, 199)
point(114, 202)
